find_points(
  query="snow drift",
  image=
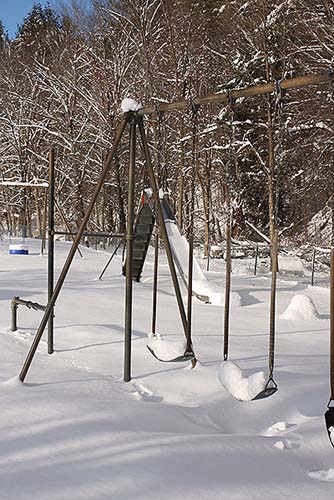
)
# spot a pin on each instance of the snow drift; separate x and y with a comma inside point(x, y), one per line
point(301, 307)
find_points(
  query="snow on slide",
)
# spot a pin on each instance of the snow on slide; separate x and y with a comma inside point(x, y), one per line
point(202, 288)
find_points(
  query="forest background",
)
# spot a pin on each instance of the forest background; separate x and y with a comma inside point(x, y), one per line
point(269, 159)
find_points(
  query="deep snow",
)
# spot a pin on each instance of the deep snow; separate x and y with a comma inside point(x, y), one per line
point(75, 430)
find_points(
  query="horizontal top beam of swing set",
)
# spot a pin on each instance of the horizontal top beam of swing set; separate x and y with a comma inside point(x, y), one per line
point(90, 234)
point(251, 91)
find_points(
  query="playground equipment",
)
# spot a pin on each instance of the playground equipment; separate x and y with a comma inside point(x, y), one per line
point(135, 119)
point(271, 386)
point(16, 301)
point(143, 228)
point(155, 342)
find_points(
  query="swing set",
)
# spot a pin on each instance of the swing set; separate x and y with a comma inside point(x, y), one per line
point(134, 119)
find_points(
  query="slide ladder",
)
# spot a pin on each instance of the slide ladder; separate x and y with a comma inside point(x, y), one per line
point(143, 228)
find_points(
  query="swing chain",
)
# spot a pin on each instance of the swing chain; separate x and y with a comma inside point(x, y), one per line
point(279, 94)
point(230, 100)
point(161, 148)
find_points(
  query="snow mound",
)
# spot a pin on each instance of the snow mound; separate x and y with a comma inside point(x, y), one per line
point(322, 475)
point(129, 104)
point(242, 388)
point(291, 264)
point(13, 382)
point(301, 307)
point(166, 349)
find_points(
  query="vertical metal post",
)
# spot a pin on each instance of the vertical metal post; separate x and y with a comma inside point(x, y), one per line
point(256, 258)
point(227, 289)
point(155, 284)
point(51, 246)
point(274, 253)
point(67, 265)
point(313, 267)
point(14, 315)
point(129, 253)
point(190, 287)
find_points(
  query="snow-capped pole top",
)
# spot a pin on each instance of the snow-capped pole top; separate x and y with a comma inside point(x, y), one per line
point(129, 104)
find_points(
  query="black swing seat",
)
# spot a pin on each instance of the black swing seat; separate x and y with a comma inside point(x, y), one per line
point(329, 418)
point(187, 356)
point(269, 390)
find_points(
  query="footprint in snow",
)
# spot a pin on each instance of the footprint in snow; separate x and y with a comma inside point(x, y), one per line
point(22, 335)
point(286, 444)
point(143, 393)
point(205, 421)
point(276, 429)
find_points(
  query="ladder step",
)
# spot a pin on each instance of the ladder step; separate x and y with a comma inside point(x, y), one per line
point(141, 237)
point(146, 219)
point(138, 253)
point(140, 245)
point(143, 228)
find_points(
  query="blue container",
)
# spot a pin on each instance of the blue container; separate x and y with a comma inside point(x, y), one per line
point(18, 252)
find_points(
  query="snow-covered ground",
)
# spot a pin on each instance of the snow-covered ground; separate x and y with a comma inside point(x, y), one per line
point(75, 430)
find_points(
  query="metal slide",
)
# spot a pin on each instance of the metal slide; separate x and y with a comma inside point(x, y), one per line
point(143, 228)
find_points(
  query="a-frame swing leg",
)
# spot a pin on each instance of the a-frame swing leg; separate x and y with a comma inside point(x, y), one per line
point(71, 254)
point(150, 171)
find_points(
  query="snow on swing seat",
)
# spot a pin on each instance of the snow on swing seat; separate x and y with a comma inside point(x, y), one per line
point(18, 249)
point(166, 350)
point(241, 388)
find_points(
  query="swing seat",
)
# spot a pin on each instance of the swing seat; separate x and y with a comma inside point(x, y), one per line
point(329, 418)
point(187, 356)
point(269, 390)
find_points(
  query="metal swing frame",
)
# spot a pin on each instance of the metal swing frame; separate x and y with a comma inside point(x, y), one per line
point(135, 119)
